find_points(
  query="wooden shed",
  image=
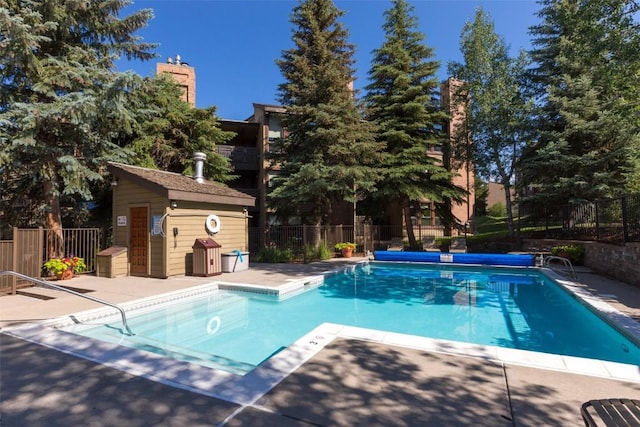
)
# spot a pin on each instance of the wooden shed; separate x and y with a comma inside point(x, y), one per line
point(158, 216)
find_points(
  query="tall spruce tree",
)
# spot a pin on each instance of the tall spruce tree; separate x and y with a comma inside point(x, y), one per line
point(329, 154)
point(587, 75)
point(402, 99)
point(498, 110)
point(61, 103)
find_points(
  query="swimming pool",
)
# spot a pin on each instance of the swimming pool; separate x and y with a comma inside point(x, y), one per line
point(506, 307)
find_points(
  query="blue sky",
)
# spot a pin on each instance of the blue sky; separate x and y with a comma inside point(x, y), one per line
point(233, 44)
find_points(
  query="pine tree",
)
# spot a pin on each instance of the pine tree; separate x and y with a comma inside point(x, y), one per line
point(61, 102)
point(402, 99)
point(587, 73)
point(171, 131)
point(499, 112)
point(329, 154)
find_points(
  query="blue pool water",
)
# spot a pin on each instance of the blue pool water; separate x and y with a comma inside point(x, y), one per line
point(511, 308)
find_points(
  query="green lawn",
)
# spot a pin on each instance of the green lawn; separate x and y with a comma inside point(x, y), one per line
point(491, 225)
point(495, 226)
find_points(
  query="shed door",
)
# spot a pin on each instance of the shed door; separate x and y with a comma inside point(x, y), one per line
point(139, 244)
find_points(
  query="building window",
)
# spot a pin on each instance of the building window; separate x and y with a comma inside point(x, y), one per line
point(270, 178)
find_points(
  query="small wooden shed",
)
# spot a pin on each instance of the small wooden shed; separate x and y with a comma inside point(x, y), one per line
point(158, 216)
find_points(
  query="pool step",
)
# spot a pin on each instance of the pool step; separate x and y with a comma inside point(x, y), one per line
point(189, 355)
point(187, 323)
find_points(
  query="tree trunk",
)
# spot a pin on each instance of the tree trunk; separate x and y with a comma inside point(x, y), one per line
point(509, 207)
point(448, 226)
point(312, 234)
point(55, 240)
point(406, 213)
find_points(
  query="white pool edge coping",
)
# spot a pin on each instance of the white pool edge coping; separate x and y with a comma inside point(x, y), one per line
point(245, 390)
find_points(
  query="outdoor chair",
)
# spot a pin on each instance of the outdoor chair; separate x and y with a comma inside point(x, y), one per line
point(458, 244)
point(611, 412)
point(429, 244)
point(396, 244)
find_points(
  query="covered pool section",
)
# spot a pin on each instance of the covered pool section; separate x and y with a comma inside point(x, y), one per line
point(512, 260)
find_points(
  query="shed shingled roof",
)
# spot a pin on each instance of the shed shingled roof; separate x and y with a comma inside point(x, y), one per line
point(176, 186)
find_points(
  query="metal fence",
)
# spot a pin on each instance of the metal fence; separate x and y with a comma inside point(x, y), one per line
point(609, 220)
point(29, 249)
point(80, 242)
point(366, 236)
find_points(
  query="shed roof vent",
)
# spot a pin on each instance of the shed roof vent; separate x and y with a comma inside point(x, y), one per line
point(199, 159)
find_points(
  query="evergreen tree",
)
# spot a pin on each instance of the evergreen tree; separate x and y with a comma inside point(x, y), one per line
point(482, 193)
point(61, 102)
point(329, 154)
point(402, 99)
point(498, 111)
point(171, 131)
point(587, 74)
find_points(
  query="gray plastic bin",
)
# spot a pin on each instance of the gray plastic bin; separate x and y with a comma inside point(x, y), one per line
point(235, 261)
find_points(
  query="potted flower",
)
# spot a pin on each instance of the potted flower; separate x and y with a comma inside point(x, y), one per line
point(346, 248)
point(573, 253)
point(65, 268)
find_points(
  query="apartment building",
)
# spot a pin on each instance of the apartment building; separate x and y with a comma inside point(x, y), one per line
point(247, 153)
point(454, 102)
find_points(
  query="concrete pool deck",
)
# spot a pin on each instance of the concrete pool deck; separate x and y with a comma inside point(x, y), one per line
point(348, 382)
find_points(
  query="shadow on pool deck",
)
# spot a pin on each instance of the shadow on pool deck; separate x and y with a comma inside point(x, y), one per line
point(350, 382)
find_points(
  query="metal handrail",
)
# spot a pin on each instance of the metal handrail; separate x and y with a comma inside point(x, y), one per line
point(566, 262)
point(46, 284)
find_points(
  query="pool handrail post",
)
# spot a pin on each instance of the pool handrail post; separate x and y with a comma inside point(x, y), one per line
point(46, 284)
point(566, 262)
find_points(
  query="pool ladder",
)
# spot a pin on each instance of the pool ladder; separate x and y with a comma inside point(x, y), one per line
point(567, 265)
point(45, 284)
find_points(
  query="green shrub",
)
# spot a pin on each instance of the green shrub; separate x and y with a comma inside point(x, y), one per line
point(317, 253)
point(497, 210)
point(324, 252)
point(274, 255)
point(307, 254)
point(574, 253)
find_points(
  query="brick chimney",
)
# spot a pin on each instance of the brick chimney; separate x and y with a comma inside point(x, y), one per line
point(183, 74)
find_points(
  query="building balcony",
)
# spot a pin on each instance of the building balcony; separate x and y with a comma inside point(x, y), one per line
point(242, 158)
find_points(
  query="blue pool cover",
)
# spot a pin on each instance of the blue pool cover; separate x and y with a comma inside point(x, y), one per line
point(520, 260)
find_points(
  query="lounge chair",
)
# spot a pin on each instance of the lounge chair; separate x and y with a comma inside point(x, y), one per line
point(458, 244)
point(396, 244)
point(429, 244)
point(612, 412)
